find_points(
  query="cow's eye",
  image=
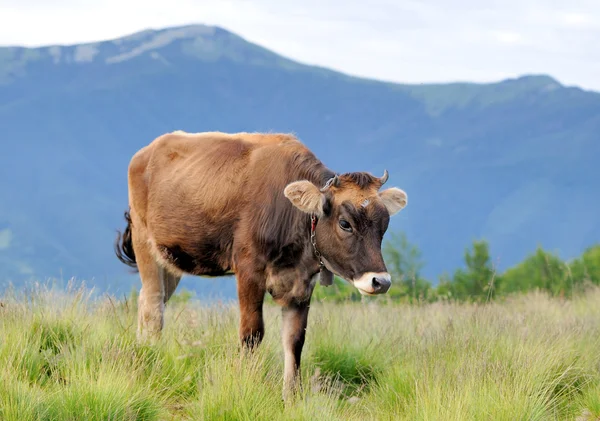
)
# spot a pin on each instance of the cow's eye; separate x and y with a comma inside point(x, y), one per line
point(345, 225)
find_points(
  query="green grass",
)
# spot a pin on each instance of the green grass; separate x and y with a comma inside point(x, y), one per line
point(64, 356)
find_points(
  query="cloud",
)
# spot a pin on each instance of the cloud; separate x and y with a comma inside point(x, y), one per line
point(578, 20)
point(507, 37)
point(398, 40)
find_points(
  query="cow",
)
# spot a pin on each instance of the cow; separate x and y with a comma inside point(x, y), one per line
point(262, 207)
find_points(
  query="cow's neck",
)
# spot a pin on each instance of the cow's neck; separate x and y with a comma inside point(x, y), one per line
point(313, 228)
point(318, 174)
point(325, 275)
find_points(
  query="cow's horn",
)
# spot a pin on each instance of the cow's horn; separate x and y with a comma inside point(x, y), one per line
point(333, 181)
point(385, 177)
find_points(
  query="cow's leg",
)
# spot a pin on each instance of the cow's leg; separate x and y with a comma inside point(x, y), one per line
point(151, 304)
point(251, 294)
point(295, 318)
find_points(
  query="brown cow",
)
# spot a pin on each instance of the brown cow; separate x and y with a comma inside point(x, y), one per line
point(262, 207)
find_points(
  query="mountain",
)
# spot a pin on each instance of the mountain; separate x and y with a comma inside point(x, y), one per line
point(514, 162)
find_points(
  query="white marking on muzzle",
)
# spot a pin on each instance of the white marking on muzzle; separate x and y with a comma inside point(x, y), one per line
point(366, 286)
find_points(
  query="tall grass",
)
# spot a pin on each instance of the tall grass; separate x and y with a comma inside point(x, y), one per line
point(64, 356)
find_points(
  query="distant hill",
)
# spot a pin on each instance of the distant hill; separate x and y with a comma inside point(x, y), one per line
point(514, 161)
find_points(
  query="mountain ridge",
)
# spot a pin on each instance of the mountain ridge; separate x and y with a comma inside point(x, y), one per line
point(192, 30)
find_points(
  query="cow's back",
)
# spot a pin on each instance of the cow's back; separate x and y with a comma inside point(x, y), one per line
point(192, 189)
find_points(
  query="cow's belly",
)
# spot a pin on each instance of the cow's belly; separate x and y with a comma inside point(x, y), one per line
point(196, 251)
point(192, 263)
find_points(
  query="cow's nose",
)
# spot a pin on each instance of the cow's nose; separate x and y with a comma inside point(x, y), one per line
point(381, 284)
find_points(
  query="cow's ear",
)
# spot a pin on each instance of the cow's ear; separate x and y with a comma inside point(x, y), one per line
point(305, 196)
point(394, 199)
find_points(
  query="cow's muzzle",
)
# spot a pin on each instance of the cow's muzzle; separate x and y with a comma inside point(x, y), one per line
point(373, 283)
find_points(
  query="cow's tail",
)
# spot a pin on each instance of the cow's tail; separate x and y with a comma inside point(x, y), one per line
point(124, 245)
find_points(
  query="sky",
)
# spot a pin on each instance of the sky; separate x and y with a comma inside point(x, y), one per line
point(405, 41)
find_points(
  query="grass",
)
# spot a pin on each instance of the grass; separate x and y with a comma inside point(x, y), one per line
point(64, 356)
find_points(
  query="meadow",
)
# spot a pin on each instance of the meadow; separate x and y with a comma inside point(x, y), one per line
point(66, 356)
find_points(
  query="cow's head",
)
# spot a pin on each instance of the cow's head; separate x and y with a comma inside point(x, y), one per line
point(353, 216)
